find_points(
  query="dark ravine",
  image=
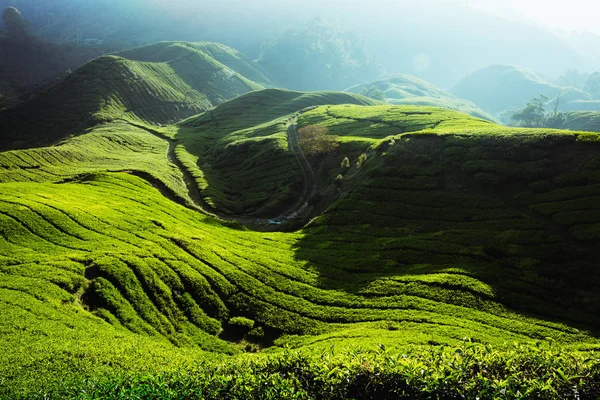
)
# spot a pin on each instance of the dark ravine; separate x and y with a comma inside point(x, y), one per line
point(197, 202)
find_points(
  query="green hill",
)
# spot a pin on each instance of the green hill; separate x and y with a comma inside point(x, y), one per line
point(500, 87)
point(402, 89)
point(158, 84)
point(239, 152)
point(445, 230)
point(583, 121)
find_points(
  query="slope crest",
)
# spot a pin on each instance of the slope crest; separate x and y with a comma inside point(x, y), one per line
point(178, 81)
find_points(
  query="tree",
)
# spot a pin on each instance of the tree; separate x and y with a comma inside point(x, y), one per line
point(557, 118)
point(314, 141)
point(533, 115)
point(592, 86)
point(14, 23)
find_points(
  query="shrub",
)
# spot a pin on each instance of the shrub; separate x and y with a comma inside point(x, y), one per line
point(241, 322)
point(345, 163)
point(361, 160)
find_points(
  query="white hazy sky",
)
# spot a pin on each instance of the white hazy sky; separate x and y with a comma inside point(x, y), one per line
point(570, 15)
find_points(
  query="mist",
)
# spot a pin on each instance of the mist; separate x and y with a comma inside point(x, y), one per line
point(439, 41)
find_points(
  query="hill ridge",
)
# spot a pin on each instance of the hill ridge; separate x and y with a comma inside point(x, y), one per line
point(112, 87)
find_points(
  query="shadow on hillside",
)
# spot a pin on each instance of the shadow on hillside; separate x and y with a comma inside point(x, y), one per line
point(466, 238)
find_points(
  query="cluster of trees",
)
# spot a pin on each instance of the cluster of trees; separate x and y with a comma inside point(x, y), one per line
point(314, 141)
point(534, 115)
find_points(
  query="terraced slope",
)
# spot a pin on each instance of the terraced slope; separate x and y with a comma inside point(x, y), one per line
point(500, 87)
point(521, 204)
point(583, 121)
point(159, 84)
point(444, 228)
point(239, 153)
point(402, 89)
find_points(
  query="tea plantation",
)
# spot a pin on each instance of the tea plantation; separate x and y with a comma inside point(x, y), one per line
point(157, 84)
point(449, 258)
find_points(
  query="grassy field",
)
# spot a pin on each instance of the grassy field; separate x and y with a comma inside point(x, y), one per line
point(453, 258)
point(158, 84)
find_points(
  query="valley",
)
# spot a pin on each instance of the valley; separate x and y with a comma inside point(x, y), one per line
point(177, 223)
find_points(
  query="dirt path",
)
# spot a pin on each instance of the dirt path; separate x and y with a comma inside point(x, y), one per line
point(308, 174)
point(199, 204)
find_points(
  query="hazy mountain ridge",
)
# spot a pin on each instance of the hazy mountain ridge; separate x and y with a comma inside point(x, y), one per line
point(405, 89)
point(500, 87)
point(177, 80)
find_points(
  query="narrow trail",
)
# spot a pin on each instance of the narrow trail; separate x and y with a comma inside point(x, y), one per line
point(308, 174)
point(197, 202)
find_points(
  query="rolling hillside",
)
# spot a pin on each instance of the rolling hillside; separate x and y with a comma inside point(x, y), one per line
point(445, 230)
point(583, 121)
point(500, 87)
point(158, 84)
point(402, 89)
point(239, 153)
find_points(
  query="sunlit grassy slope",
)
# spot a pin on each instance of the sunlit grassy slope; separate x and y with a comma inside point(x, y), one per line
point(158, 84)
point(239, 152)
point(444, 228)
point(402, 89)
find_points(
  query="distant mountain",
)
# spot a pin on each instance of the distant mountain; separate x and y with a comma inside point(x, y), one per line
point(500, 87)
point(158, 84)
point(440, 41)
point(407, 89)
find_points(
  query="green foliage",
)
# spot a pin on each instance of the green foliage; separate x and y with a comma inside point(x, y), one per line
point(373, 92)
point(315, 141)
point(533, 115)
point(155, 85)
point(240, 155)
point(242, 322)
point(452, 228)
point(345, 163)
point(467, 371)
point(582, 121)
point(361, 160)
